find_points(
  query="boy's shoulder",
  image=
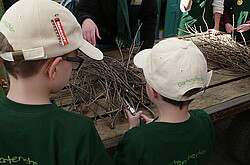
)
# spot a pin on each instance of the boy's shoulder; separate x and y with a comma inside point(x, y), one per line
point(199, 113)
point(46, 112)
point(73, 116)
point(196, 114)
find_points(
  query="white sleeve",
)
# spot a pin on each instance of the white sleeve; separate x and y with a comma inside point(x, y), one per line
point(218, 6)
point(185, 3)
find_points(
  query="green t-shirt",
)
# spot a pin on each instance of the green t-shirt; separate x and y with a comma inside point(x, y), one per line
point(48, 135)
point(193, 18)
point(160, 143)
point(241, 12)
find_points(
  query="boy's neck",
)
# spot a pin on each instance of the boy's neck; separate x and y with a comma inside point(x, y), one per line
point(28, 91)
point(172, 114)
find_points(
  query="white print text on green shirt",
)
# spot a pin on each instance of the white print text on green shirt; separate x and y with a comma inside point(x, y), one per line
point(16, 159)
point(190, 81)
point(189, 157)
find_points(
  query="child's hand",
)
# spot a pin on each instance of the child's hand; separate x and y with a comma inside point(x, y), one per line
point(214, 31)
point(243, 28)
point(146, 119)
point(229, 28)
point(133, 120)
point(4, 84)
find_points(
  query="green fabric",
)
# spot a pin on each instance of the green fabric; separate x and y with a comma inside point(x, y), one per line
point(241, 14)
point(1, 9)
point(193, 18)
point(4, 76)
point(160, 143)
point(124, 34)
point(48, 135)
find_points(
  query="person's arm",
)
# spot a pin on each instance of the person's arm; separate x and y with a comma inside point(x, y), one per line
point(227, 18)
point(88, 9)
point(242, 28)
point(90, 31)
point(148, 18)
point(218, 7)
point(87, 15)
point(217, 21)
point(185, 5)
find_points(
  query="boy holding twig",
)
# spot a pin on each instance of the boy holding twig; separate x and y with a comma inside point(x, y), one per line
point(176, 73)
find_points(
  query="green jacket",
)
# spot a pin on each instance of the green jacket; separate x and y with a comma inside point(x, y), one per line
point(241, 11)
point(193, 18)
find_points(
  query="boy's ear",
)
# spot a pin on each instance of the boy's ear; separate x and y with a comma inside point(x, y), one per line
point(53, 68)
point(153, 93)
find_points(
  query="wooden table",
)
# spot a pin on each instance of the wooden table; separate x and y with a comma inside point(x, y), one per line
point(227, 95)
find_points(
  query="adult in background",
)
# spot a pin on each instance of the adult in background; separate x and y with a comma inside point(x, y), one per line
point(8, 3)
point(241, 11)
point(106, 23)
point(203, 15)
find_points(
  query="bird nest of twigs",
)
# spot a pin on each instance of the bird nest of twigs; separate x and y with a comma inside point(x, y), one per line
point(97, 89)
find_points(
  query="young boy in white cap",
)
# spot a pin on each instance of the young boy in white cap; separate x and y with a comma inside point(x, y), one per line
point(176, 73)
point(39, 43)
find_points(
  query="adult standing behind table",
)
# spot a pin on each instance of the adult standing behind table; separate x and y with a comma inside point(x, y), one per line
point(105, 21)
point(194, 13)
point(241, 11)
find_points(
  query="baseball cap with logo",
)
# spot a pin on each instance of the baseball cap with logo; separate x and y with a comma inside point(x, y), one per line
point(41, 29)
point(173, 67)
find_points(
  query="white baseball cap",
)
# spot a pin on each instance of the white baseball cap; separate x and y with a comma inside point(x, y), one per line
point(173, 67)
point(41, 29)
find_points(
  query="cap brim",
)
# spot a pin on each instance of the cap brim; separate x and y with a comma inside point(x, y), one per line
point(140, 59)
point(91, 51)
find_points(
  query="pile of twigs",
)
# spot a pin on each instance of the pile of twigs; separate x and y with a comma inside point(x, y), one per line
point(224, 52)
point(100, 86)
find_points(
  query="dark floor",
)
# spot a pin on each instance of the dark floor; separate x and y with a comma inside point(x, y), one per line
point(221, 155)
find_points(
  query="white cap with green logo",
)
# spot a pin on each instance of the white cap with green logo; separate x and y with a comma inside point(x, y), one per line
point(41, 29)
point(173, 67)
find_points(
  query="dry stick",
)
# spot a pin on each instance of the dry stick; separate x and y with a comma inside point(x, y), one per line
point(139, 48)
point(203, 18)
point(233, 27)
point(112, 123)
point(243, 38)
point(131, 49)
point(184, 30)
point(120, 50)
